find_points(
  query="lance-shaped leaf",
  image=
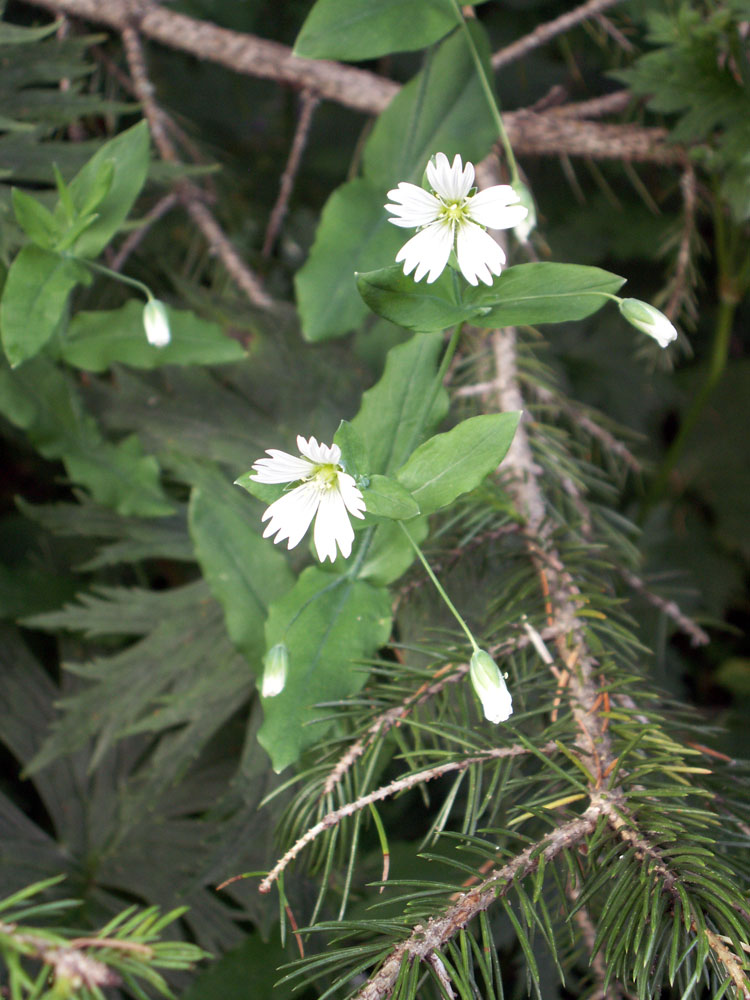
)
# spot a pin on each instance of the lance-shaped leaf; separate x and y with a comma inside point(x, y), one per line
point(386, 497)
point(35, 300)
point(415, 305)
point(365, 29)
point(453, 463)
point(328, 623)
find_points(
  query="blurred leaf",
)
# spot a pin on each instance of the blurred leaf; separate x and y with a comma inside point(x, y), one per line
point(34, 300)
point(328, 623)
point(252, 969)
point(36, 221)
point(363, 29)
point(95, 340)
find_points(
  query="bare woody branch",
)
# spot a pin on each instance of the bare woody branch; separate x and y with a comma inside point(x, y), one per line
point(385, 792)
point(530, 134)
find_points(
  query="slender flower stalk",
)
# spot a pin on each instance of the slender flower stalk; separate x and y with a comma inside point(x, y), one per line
point(325, 493)
point(453, 216)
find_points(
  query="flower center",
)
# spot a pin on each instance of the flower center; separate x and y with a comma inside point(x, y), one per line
point(453, 211)
point(325, 477)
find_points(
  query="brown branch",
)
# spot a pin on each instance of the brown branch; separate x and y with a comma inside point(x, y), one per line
point(309, 102)
point(546, 32)
point(680, 288)
point(160, 209)
point(424, 941)
point(385, 792)
point(672, 610)
point(530, 134)
point(190, 195)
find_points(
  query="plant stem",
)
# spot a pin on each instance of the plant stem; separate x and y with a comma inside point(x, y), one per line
point(489, 94)
point(440, 588)
point(121, 277)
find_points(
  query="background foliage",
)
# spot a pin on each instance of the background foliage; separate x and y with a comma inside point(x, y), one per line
point(138, 597)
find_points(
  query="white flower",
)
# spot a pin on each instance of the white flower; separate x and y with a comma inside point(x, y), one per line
point(453, 217)
point(490, 685)
point(156, 323)
point(325, 493)
point(648, 319)
point(275, 666)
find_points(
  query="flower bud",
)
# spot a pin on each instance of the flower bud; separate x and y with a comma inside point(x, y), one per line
point(644, 317)
point(156, 323)
point(275, 666)
point(490, 686)
point(525, 227)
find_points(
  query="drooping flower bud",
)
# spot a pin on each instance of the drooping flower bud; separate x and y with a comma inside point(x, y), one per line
point(490, 686)
point(156, 323)
point(648, 319)
point(526, 226)
point(275, 666)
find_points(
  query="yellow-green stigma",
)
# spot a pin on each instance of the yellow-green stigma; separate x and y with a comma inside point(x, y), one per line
point(326, 476)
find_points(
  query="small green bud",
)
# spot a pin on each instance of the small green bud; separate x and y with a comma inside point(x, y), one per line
point(275, 666)
point(156, 323)
point(490, 686)
point(645, 317)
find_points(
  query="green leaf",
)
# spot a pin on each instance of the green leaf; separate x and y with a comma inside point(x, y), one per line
point(403, 406)
point(390, 554)
point(442, 109)
point(528, 294)
point(252, 969)
point(363, 29)
point(96, 340)
point(385, 497)
point(415, 305)
point(453, 463)
point(128, 154)
point(327, 623)
point(36, 221)
point(354, 457)
point(353, 233)
point(244, 571)
point(34, 300)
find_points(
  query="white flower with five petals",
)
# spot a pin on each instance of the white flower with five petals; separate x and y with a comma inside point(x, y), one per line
point(325, 493)
point(452, 217)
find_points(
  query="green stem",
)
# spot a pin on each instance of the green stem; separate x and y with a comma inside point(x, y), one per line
point(489, 94)
point(719, 355)
point(440, 589)
point(121, 277)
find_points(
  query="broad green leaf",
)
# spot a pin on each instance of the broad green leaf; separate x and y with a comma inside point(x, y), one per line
point(328, 624)
point(129, 153)
point(244, 571)
point(415, 305)
point(442, 109)
point(354, 456)
point(386, 497)
point(528, 294)
point(405, 405)
point(353, 234)
point(390, 554)
point(363, 29)
point(455, 462)
point(96, 340)
point(118, 475)
point(34, 300)
point(36, 221)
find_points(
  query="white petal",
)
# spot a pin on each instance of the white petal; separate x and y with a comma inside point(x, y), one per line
point(353, 499)
point(413, 206)
point(428, 251)
point(320, 454)
point(332, 527)
point(290, 515)
point(281, 468)
point(494, 207)
point(451, 183)
point(478, 254)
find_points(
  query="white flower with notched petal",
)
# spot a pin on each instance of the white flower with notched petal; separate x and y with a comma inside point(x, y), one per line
point(451, 216)
point(325, 493)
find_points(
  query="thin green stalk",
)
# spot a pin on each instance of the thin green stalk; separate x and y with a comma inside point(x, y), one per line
point(121, 277)
point(489, 94)
point(440, 589)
